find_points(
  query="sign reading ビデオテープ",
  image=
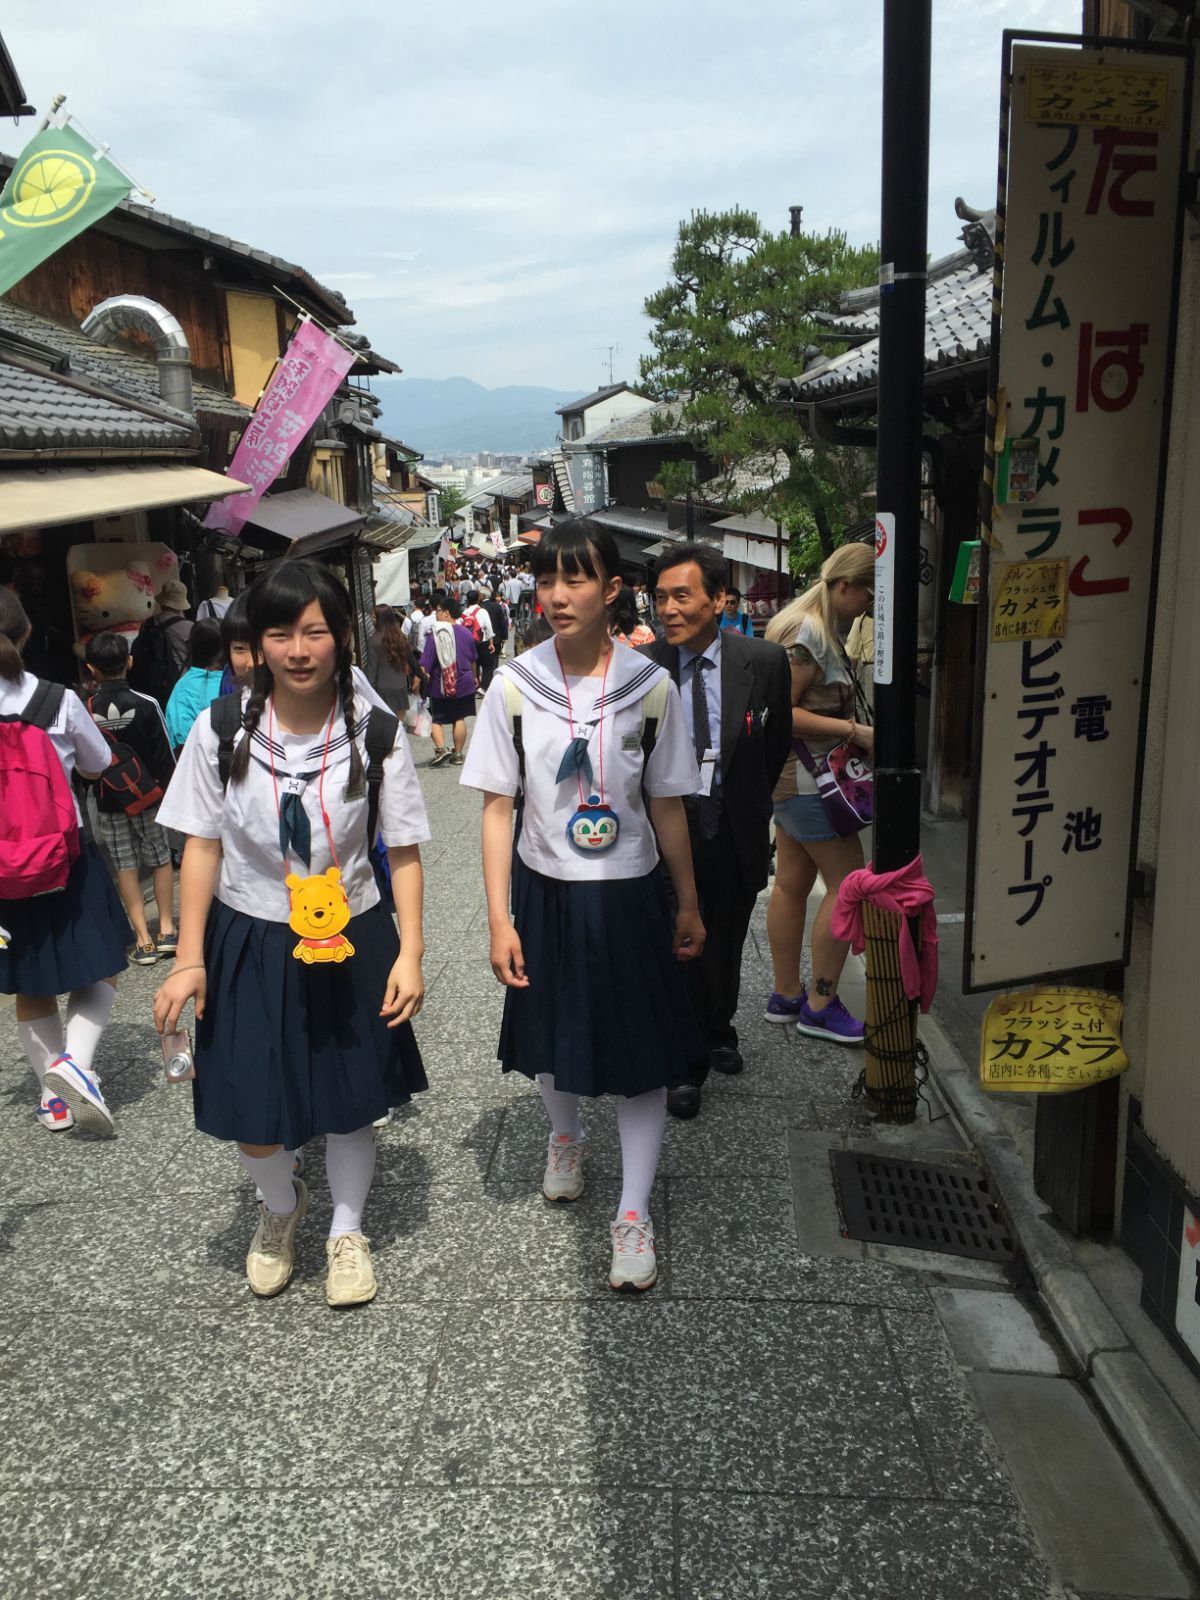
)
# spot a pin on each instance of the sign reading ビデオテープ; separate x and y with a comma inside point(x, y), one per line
point(1093, 166)
point(305, 379)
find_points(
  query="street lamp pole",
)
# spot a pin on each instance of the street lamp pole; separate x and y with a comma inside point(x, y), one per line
point(891, 1023)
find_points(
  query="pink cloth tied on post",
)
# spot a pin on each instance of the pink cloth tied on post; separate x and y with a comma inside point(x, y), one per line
point(909, 893)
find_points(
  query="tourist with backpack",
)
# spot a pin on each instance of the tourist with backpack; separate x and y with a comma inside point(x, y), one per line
point(592, 737)
point(159, 653)
point(303, 991)
point(62, 929)
point(450, 662)
point(128, 792)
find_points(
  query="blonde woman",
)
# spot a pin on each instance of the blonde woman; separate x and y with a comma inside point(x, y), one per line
point(812, 630)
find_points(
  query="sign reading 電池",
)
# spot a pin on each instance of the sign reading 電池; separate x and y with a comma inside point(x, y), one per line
point(1093, 154)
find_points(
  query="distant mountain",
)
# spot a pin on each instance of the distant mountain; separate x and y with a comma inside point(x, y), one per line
point(450, 416)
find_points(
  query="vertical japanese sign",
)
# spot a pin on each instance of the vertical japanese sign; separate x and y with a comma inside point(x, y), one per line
point(586, 468)
point(1093, 169)
point(885, 585)
point(304, 381)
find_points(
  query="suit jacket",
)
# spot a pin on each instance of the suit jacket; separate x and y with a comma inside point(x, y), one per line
point(756, 735)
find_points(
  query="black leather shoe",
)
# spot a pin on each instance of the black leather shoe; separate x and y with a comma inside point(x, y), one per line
point(683, 1101)
point(726, 1059)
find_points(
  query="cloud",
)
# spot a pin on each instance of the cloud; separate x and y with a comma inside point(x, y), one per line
point(496, 188)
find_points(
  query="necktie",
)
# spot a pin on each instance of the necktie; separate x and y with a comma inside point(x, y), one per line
point(705, 807)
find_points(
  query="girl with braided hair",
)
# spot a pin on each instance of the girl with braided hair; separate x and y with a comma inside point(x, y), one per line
point(303, 993)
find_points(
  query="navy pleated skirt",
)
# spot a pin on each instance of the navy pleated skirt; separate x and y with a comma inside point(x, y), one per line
point(606, 1010)
point(69, 939)
point(286, 1051)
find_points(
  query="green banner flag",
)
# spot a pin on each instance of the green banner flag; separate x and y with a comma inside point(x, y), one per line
point(59, 187)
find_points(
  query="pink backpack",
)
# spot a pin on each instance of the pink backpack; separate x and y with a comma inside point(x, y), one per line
point(39, 830)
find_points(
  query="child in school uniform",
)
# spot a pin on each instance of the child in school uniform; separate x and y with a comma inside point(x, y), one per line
point(72, 939)
point(303, 992)
point(592, 736)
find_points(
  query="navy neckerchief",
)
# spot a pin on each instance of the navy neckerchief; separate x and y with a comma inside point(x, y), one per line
point(295, 831)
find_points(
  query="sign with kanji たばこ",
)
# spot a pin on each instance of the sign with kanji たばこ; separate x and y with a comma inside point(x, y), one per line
point(1090, 222)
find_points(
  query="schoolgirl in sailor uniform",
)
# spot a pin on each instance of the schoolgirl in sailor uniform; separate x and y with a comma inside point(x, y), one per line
point(303, 992)
point(69, 941)
point(594, 999)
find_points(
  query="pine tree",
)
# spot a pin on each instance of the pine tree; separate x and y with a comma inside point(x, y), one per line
point(738, 317)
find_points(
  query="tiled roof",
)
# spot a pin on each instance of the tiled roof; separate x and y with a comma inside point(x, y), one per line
point(132, 375)
point(637, 428)
point(38, 411)
point(593, 399)
point(958, 327)
point(633, 519)
point(512, 487)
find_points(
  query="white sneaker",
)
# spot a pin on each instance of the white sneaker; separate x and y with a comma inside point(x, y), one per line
point(563, 1177)
point(382, 1122)
point(634, 1264)
point(272, 1253)
point(82, 1094)
point(54, 1114)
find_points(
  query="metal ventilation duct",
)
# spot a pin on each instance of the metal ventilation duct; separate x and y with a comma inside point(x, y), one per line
point(125, 312)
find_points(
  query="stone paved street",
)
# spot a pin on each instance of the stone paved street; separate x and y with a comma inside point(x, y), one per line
point(766, 1423)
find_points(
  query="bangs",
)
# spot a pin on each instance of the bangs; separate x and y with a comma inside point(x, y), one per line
point(577, 546)
point(279, 596)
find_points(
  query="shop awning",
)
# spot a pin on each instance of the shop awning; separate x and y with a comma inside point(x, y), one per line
point(44, 499)
point(307, 520)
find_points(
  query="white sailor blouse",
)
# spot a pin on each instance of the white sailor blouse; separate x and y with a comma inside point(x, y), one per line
point(583, 743)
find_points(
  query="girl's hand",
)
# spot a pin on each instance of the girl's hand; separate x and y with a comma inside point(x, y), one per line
point(689, 935)
point(864, 736)
point(189, 984)
point(508, 959)
point(405, 990)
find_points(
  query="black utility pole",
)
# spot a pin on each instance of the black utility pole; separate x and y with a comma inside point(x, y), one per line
point(905, 203)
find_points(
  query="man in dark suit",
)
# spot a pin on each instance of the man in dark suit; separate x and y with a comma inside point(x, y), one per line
point(737, 703)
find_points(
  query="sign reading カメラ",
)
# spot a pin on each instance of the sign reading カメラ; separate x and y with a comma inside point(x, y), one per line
point(1093, 151)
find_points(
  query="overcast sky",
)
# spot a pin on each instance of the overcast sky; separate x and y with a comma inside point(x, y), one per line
point(496, 185)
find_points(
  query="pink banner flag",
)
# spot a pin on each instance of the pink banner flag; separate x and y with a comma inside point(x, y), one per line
point(301, 386)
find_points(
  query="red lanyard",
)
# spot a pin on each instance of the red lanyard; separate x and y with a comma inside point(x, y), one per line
point(600, 723)
point(321, 781)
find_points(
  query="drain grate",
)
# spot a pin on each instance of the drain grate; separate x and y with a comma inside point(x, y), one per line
point(920, 1205)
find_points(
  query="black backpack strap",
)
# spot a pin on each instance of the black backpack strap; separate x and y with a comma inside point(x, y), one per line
point(226, 714)
point(382, 728)
point(43, 704)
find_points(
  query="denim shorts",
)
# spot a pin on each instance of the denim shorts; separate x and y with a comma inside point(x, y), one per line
point(803, 819)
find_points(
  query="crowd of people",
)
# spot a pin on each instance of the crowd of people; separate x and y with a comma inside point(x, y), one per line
point(631, 748)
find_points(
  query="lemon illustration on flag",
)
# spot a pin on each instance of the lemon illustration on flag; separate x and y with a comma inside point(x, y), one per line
point(49, 187)
point(60, 185)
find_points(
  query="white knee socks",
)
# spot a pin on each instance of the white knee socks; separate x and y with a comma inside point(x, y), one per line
point(43, 1041)
point(562, 1109)
point(272, 1176)
point(87, 1012)
point(641, 1121)
point(350, 1165)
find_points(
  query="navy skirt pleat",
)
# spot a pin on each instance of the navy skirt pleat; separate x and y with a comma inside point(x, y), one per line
point(606, 1010)
point(286, 1051)
point(69, 939)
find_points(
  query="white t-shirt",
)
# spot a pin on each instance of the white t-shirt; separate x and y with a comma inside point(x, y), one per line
point(492, 765)
point(77, 741)
point(511, 589)
point(244, 818)
point(482, 618)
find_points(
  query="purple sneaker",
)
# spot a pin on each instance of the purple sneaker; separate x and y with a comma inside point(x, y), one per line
point(834, 1023)
point(781, 1009)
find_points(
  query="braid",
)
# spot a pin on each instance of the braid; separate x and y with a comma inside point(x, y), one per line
point(357, 778)
point(251, 717)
